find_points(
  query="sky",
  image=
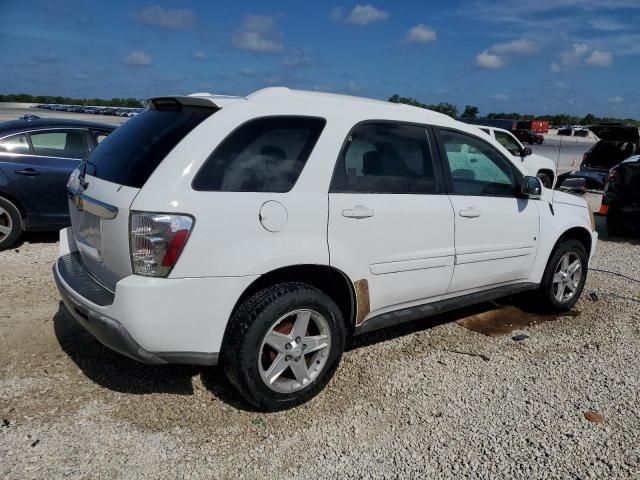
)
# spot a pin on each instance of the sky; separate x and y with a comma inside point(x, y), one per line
point(536, 56)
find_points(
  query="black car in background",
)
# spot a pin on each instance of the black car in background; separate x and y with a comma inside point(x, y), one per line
point(528, 136)
point(36, 159)
point(622, 197)
point(617, 141)
point(567, 131)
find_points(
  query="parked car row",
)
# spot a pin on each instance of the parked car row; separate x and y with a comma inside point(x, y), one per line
point(115, 111)
point(577, 131)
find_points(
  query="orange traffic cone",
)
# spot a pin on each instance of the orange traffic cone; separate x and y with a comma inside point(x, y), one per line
point(604, 209)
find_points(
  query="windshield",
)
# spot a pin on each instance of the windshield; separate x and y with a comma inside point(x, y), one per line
point(133, 151)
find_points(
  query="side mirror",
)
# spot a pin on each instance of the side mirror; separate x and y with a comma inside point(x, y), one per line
point(526, 151)
point(531, 187)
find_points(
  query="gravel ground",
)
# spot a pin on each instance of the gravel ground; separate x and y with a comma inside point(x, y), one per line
point(431, 399)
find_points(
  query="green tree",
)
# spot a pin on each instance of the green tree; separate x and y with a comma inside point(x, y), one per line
point(470, 111)
point(588, 119)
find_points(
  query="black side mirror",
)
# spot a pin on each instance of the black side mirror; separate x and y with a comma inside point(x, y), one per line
point(531, 187)
point(526, 151)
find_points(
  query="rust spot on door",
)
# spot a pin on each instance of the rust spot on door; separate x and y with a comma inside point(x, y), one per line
point(362, 300)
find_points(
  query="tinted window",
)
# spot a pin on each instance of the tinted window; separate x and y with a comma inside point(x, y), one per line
point(70, 144)
point(130, 154)
point(476, 168)
point(263, 155)
point(385, 158)
point(508, 142)
point(15, 144)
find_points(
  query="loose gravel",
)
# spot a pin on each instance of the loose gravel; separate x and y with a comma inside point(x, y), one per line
point(431, 399)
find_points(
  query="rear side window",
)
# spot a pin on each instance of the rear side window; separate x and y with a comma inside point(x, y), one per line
point(263, 155)
point(69, 144)
point(385, 158)
point(130, 154)
point(15, 144)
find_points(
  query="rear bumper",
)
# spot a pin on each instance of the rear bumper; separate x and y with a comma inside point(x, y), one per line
point(106, 330)
point(152, 320)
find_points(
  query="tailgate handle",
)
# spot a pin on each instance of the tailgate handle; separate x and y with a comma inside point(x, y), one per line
point(470, 212)
point(91, 205)
point(28, 172)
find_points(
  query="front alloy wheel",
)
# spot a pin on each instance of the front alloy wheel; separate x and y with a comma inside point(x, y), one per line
point(567, 276)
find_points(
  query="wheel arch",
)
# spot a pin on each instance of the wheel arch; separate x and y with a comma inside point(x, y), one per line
point(15, 202)
point(580, 234)
point(330, 280)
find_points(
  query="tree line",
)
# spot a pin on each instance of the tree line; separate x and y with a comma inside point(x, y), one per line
point(471, 111)
point(49, 99)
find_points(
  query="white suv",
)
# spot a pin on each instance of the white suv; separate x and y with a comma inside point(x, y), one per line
point(262, 232)
point(542, 167)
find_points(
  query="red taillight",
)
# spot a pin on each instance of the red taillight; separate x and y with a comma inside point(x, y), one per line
point(156, 241)
point(175, 248)
point(612, 175)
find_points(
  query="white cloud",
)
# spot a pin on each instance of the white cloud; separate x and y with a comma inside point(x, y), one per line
point(199, 55)
point(599, 58)
point(157, 16)
point(137, 58)
point(258, 34)
point(420, 34)
point(496, 56)
point(247, 72)
point(572, 58)
point(500, 97)
point(297, 59)
point(516, 47)
point(581, 54)
point(489, 61)
point(615, 100)
point(607, 24)
point(361, 15)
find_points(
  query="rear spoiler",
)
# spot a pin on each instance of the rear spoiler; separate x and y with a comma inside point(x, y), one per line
point(204, 100)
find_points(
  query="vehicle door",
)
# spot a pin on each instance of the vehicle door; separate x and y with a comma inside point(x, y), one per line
point(390, 225)
point(496, 231)
point(42, 174)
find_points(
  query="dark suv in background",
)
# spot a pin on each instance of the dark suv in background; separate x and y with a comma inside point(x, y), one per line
point(528, 136)
point(617, 141)
point(36, 160)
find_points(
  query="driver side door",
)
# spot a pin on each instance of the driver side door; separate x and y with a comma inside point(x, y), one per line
point(496, 233)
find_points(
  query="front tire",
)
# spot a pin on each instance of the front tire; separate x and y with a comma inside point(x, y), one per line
point(283, 345)
point(10, 224)
point(564, 277)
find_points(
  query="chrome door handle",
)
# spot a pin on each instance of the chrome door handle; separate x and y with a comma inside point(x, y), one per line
point(358, 211)
point(470, 212)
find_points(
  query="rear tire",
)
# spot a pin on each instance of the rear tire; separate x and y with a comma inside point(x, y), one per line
point(564, 277)
point(10, 224)
point(283, 345)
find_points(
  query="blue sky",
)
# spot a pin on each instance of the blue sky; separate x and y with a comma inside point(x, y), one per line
point(538, 56)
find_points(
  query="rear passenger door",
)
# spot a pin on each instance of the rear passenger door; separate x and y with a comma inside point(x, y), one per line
point(390, 225)
point(41, 175)
point(496, 232)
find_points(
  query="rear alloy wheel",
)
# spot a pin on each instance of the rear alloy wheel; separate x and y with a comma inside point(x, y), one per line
point(10, 224)
point(564, 277)
point(283, 345)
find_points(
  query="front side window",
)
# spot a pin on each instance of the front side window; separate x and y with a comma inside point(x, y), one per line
point(263, 155)
point(385, 158)
point(476, 168)
point(15, 144)
point(67, 144)
point(508, 142)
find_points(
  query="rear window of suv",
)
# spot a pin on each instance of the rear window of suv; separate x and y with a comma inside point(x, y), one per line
point(130, 154)
point(263, 155)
